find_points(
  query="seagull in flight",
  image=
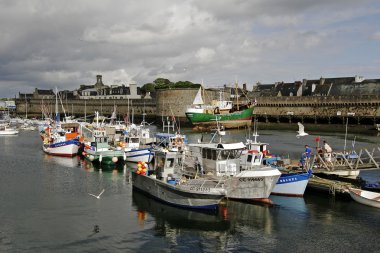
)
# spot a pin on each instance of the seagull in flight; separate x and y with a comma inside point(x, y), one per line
point(301, 131)
point(98, 197)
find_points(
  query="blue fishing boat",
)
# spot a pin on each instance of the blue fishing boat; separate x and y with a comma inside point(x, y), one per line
point(292, 184)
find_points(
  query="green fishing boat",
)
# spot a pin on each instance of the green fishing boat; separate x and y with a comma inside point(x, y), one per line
point(230, 116)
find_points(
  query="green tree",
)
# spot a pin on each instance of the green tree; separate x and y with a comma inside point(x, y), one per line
point(148, 87)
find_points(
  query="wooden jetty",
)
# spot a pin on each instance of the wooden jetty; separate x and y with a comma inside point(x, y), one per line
point(332, 187)
point(346, 163)
point(336, 176)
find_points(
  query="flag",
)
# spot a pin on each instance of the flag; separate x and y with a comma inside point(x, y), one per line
point(317, 139)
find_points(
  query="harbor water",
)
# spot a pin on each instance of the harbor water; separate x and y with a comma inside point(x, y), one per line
point(45, 206)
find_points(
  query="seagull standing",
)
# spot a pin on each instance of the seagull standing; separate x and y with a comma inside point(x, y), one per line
point(98, 197)
point(301, 131)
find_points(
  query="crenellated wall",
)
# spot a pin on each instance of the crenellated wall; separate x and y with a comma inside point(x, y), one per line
point(80, 107)
point(169, 102)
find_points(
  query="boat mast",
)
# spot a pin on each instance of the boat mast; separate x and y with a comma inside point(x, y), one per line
point(237, 95)
point(26, 107)
point(345, 137)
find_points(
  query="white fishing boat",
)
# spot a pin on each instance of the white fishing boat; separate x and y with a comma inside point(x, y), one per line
point(5, 129)
point(365, 197)
point(136, 146)
point(59, 141)
point(289, 184)
point(223, 160)
point(292, 184)
point(167, 184)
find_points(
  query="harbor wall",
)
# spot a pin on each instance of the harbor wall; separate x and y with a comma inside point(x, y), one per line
point(363, 110)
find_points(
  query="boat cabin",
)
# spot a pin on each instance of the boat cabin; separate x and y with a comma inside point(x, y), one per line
point(217, 159)
point(165, 164)
point(100, 142)
point(171, 141)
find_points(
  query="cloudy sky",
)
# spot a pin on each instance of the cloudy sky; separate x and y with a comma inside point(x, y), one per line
point(50, 43)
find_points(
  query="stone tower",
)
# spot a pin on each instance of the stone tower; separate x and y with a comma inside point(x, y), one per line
point(99, 83)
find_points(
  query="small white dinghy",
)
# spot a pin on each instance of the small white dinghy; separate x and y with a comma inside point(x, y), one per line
point(365, 197)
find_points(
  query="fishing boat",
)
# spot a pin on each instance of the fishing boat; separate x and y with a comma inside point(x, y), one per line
point(365, 197)
point(167, 184)
point(225, 111)
point(289, 184)
point(98, 150)
point(292, 184)
point(5, 129)
point(59, 141)
point(136, 146)
point(223, 161)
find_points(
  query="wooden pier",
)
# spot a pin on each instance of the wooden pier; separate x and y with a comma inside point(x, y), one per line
point(339, 174)
point(347, 163)
point(332, 187)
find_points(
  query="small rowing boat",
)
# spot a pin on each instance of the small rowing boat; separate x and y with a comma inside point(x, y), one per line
point(365, 197)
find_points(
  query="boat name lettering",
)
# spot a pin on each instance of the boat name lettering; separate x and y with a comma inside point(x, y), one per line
point(200, 189)
point(251, 179)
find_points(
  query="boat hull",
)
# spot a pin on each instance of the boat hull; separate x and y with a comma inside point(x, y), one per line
point(293, 184)
point(174, 195)
point(228, 120)
point(249, 185)
point(104, 157)
point(66, 148)
point(365, 197)
point(139, 155)
point(9, 132)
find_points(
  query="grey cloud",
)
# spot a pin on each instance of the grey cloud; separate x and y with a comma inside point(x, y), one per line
point(66, 43)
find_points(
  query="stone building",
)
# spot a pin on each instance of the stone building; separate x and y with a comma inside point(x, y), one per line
point(102, 91)
point(337, 86)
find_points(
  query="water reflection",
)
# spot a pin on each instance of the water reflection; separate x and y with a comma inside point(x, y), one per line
point(91, 167)
point(167, 216)
point(68, 162)
point(291, 204)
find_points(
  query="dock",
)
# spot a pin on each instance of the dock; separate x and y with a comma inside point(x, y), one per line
point(330, 186)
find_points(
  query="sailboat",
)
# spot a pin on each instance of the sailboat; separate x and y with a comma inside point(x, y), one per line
point(229, 114)
point(59, 141)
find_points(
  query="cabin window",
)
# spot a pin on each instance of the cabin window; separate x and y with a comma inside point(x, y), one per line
point(213, 152)
point(257, 159)
point(170, 162)
point(203, 153)
point(249, 158)
point(224, 155)
point(209, 154)
point(161, 162)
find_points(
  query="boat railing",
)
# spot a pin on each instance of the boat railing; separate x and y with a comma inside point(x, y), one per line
point(215, 183)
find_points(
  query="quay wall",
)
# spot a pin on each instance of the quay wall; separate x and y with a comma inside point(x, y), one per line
point(331, 109)
point(80, 107)
point(168, 102)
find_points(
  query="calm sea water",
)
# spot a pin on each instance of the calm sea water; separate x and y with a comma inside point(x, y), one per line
point(45, 207)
